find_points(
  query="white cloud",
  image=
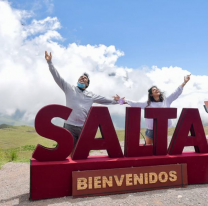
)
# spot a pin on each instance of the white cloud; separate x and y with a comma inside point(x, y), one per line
point(38, 5)
point(49, 5)
point(27, 85)
point(41, 26)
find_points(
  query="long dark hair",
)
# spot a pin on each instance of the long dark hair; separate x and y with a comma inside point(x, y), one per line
point(151, 98)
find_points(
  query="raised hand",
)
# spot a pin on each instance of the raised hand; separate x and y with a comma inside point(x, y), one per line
point(120, 100)
point(48, 57)
point(117, 97)
point(187, 78)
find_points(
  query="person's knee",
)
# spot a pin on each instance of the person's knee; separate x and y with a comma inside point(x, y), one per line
point(149, 140)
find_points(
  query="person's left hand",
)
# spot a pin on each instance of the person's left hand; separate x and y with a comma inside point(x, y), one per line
point(187, 78)
point(117, 97)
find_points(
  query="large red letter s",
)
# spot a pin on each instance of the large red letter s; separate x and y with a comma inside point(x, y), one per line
point(45, 128)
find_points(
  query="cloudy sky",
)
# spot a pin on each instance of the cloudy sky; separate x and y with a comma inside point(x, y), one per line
point(125, 46)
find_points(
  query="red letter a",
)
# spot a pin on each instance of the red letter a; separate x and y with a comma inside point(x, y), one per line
point(189, 121)
point(98, 117)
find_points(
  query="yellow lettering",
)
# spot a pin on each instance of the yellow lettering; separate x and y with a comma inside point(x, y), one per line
point(173, 176)
point(145, 178)
point(119, 182)
point(97, 182)
point(81, 183)
point(90, 182)
point(129, 180)
point(106, 181)
point(138, 179)
point(152, 177)
point(161, 178)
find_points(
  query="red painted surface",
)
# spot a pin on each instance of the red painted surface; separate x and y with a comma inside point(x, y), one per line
point(98, 117)
point(127, 185)
point(160, 127)
point(132, 148)
point(45, 128)
point(189, 121)
point(53, 178)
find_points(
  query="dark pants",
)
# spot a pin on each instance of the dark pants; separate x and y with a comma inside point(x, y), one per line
point(75, 131)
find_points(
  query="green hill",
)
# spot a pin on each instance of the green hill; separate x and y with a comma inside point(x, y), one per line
point(4, 126)
point(17, 143)
point(17, 136)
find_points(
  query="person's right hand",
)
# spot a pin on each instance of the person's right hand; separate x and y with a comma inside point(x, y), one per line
point(48, 57)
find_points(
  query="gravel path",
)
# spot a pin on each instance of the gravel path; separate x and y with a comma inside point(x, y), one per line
point(14, 190)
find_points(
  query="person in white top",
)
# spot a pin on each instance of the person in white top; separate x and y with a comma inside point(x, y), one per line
point(155, 99)
point(78, 98)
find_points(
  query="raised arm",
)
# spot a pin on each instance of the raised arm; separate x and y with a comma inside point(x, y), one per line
point(178, 91)
point(175, 94)
point(186, 79)
point(58, 79)
point(130, 102)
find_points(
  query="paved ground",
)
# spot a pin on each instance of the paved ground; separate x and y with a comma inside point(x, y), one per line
point(14, 190)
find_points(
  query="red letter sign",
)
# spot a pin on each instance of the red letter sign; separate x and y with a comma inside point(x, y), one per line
point(98, 117)
point(160, 127)
point(189, 121)
point(45, 128)
point(132, 135)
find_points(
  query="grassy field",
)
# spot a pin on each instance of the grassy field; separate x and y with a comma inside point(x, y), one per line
point(17, 143)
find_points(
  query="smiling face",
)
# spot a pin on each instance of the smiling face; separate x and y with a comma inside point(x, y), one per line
point(83, 80)
point(155, 93)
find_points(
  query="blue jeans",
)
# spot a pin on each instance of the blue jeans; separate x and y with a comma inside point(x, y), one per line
point(149, 133)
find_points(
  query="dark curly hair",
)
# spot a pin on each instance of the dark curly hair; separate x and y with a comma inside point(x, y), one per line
point(87, 75)
point(151, 98)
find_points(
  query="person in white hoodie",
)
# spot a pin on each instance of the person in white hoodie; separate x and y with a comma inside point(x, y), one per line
point(77, 98)
point(155, 99)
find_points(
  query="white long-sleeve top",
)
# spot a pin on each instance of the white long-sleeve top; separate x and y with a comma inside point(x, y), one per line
point(79, 101)
point(166, 103)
